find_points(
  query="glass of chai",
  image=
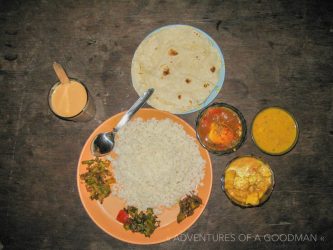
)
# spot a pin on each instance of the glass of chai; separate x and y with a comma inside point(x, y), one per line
point(69, 99)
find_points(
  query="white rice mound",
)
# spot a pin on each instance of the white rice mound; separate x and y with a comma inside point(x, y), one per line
point(157, 164)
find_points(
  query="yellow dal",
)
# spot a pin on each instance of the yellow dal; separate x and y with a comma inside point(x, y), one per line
point(274, 130)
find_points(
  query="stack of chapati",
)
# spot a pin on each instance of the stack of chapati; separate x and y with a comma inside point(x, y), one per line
point(181, 64)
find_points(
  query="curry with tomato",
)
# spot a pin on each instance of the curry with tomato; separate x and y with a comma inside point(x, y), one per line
point(220, 128)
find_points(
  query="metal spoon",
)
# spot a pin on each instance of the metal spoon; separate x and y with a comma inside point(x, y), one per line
point(104, 142)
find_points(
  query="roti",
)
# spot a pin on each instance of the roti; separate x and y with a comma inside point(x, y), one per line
point(181, 64)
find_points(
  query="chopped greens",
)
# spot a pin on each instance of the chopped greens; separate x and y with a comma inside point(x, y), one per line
point(187, 206)
point(141, 222)
point(98, 179)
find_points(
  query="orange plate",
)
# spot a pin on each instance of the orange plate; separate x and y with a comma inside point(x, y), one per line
point(105, 215)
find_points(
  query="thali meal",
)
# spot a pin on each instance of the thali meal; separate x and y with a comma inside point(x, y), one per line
point(274, 130)
point(157, 164)
point(248, 181)
point(141, 222)
point(156, 167)
point(221, 128)
point(181, 64)
point(98, 178)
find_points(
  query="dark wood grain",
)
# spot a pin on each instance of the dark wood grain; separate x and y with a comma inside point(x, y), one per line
point(276, 53)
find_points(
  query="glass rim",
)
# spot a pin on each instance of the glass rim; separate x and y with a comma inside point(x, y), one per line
point(67, 117)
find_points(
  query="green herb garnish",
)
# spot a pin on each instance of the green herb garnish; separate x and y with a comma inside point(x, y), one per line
point(141, 222)
point(98, 179)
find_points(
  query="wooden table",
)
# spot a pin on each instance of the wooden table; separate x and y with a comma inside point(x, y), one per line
point(276, 53)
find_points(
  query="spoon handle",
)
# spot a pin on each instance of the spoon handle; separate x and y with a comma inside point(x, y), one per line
point(136, 106)
point(61, 74)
